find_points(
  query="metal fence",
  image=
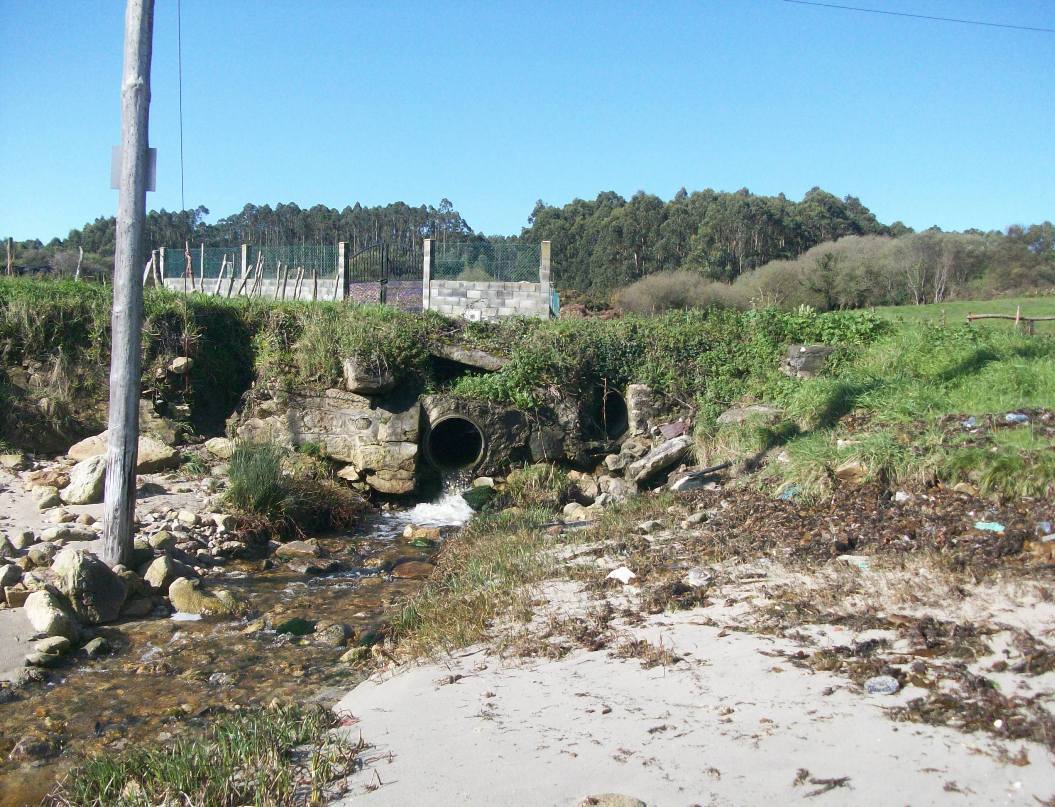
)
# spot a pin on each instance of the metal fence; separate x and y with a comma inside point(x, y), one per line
point(383, 273)
point(317, 260)
point(484, 260)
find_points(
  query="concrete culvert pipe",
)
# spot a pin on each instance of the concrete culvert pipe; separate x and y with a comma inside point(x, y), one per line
point(453, 443)
point(611, 414)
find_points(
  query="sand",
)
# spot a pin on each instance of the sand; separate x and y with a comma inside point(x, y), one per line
point(732, 724)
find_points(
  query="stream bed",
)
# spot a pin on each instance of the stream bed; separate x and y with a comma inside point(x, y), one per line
point(166, 677)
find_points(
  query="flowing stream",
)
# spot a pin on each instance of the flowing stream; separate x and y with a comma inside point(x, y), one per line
point(166, 676)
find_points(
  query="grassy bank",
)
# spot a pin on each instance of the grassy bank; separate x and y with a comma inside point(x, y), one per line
point(955, 312)
point(899, 410)
point(706, 359)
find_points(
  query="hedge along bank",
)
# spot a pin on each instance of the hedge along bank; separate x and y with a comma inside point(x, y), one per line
point(367, 384)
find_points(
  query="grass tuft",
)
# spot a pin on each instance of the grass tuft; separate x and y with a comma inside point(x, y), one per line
point(289, 494)
point(282, 755)
point(484, 577)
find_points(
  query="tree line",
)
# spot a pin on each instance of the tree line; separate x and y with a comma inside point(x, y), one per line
point(829, 251)
point(399, 225)
point(608, 243)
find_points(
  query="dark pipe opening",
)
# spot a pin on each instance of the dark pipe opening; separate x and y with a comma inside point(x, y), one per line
point(454, 442)
point(615, 418)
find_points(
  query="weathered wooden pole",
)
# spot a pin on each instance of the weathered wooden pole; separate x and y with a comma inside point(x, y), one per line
point(127, 319)
point(7, 244)
point(118, 508)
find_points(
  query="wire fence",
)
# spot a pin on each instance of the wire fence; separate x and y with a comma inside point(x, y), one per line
point(484, 260)
point(316, 260)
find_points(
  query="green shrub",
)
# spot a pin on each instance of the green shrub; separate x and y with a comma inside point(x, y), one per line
point(672, 291)
point(299, 498)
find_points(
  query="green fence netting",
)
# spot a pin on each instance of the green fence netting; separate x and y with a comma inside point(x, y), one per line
point(207, 262)
point(483, 260)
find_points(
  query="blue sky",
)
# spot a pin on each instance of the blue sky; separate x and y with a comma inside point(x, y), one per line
point(495, 105)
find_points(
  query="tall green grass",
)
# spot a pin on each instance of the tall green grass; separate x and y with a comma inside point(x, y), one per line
point(272, 488)
point(898, 389)
point(274, 756)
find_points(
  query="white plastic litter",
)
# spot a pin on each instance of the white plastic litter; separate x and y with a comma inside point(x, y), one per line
point(622, 574)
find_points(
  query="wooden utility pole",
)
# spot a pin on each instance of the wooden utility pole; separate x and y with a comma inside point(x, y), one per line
point(127, 321)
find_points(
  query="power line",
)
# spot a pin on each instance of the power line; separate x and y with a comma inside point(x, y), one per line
point(923, 16)
point(179, 64)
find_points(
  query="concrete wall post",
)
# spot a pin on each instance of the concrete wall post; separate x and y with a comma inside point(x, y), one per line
point(161, 261)
point(543, 272)
point(342, 272)
point(245, 260)
point(426, 273)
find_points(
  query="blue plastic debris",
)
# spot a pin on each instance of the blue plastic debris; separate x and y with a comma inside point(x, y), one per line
point(1043, 527)
point(970, 423)
point(989, 526)
point(1016, 417)
point(788, 493)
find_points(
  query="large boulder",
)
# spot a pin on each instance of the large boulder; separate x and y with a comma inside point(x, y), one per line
point(64, 533)
point(96, 593)
point(806, 361)
point(88, 447)
point(469, 356)
point(659, 459)
point(188, 596)
point(364, 378)
point(49, 615)
point(153, 455)
point(220, 447)
point(396, 483)
point(298, 549)
point(86, 482)
point(9, 575)
point(757, 413)
point(161, 571)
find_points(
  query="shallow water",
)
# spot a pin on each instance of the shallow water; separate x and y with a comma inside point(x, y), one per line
point(167, 676)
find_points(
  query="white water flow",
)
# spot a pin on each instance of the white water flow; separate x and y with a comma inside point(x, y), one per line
point(449, 509)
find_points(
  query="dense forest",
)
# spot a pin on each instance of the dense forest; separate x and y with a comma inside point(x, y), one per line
point(398, 225)
point(645, 253)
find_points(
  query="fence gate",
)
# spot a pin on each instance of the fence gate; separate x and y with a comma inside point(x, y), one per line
point(381, 273)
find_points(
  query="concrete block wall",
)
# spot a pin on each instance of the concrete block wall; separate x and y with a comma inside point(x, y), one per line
point(482, 300)
point(491, 299)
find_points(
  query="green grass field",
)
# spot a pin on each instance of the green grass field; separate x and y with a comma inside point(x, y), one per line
point(955, 313)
